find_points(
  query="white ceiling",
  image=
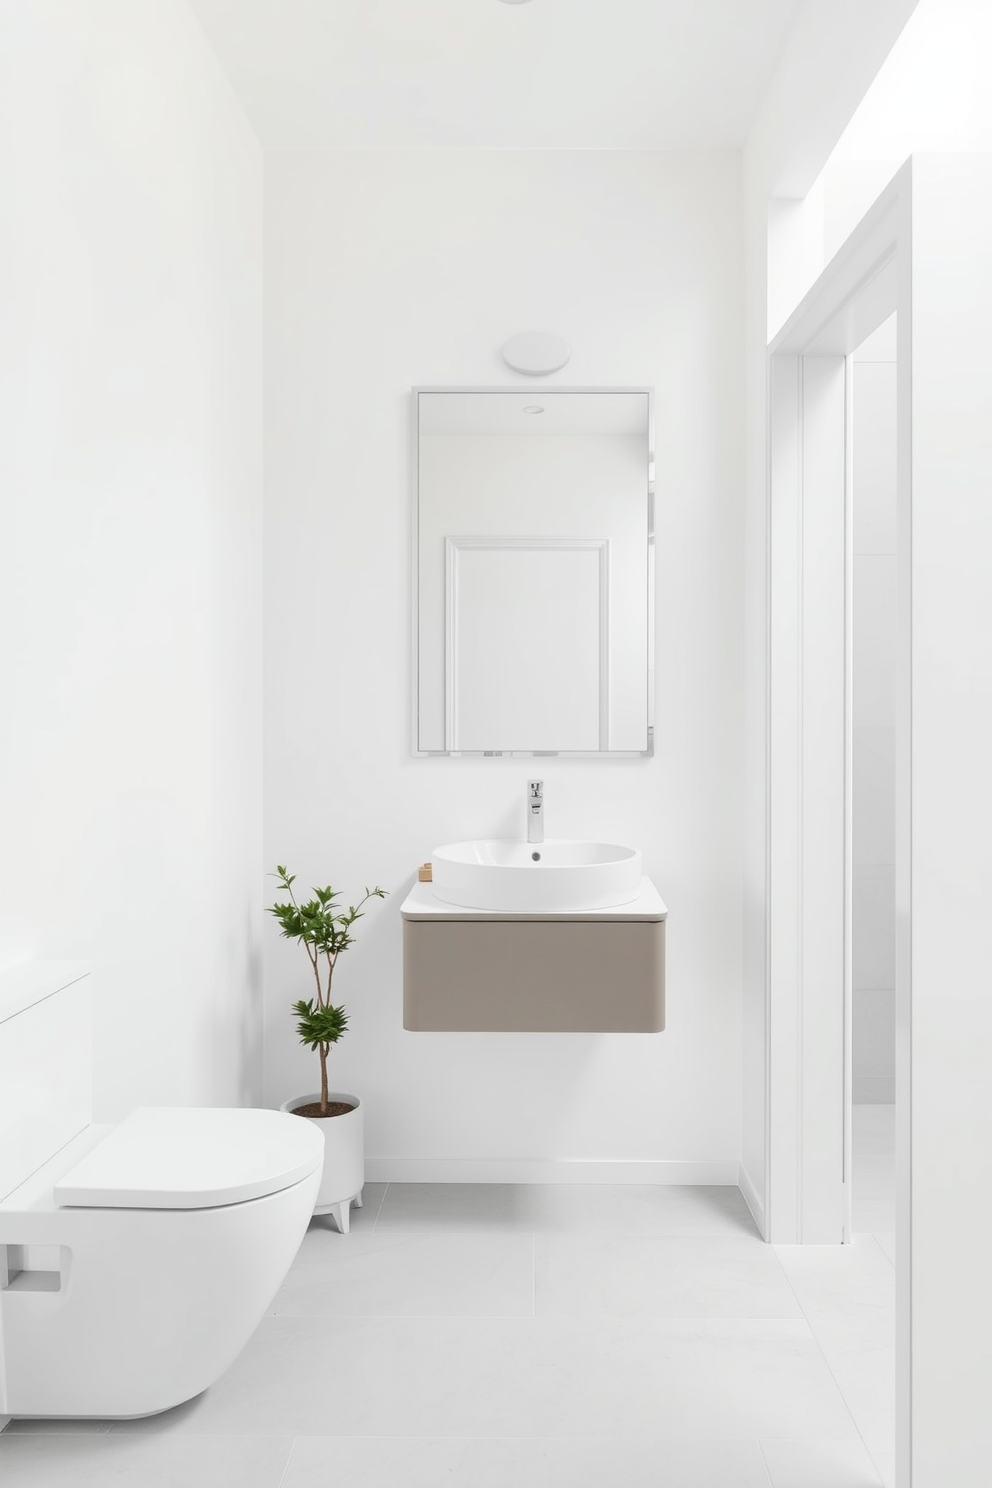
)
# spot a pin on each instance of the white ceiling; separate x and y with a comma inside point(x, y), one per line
point(552, 74)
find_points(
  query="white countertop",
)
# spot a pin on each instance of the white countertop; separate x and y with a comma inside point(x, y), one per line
point(420, 904)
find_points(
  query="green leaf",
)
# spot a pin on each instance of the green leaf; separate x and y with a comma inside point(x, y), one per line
point(324, 931)
point(319, 1025)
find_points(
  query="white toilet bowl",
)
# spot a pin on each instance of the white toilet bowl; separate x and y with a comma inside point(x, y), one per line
point(137, 1260)
point(161, 1279)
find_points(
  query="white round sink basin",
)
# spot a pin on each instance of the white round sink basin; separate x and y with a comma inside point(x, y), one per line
point(554, 877)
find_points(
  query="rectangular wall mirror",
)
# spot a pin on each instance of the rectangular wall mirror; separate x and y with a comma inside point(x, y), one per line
point(533, 571)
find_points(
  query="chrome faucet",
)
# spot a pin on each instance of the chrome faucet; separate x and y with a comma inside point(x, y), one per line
point(535, 811)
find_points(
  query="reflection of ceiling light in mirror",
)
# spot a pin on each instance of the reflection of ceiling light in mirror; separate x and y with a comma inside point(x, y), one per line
point(533, 408)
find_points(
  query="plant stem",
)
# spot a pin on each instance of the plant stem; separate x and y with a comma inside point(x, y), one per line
point(312, 955)
point(316, 971)
point(323, 1078)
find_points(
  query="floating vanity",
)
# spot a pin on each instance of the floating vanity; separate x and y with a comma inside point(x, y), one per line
point(495, 971)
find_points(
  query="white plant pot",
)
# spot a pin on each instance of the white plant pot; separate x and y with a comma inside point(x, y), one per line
point(344, 1156)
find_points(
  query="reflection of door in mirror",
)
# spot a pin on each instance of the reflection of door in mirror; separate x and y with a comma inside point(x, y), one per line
point(533, 572)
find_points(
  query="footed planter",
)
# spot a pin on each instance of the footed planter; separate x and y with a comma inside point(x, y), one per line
point(344, 1156)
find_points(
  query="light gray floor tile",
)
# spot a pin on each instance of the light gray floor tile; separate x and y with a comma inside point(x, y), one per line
point(612, 1209)
point(102, 1461)
point(323, 1239)
point(865, 1375)
point(414, 1275)
point(414, 1345)
point(687, 1210)
point(727, 1379)
point(887, 1245)
point(847, 1292)
point(55, 1425)
point(819, 1464)
point(419, 1462)
point(455, 1208)
point(878, 1430)
point(659, 1276)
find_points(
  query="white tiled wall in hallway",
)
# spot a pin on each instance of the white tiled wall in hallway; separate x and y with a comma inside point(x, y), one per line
point(874, 716)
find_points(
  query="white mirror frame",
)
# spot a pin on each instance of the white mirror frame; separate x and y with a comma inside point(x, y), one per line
point(415, 589)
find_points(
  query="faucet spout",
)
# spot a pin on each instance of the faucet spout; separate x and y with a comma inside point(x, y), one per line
point(535, 811)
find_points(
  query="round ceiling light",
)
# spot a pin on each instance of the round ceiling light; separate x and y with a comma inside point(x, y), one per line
point(536, 353)
point(533, 408)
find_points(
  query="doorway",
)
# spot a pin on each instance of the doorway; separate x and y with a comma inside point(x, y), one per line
point(922, 251)
point(873, 788)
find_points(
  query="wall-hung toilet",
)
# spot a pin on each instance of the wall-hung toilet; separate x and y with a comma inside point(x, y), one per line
point(135, 1260)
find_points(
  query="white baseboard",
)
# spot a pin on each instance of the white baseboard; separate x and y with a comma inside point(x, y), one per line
point(509, 1170)
point(753, 1200)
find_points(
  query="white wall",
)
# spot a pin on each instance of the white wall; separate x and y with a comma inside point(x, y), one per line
point(385, 270)
point(931, 93)
point(874, 717)
point(130, 473)
point(944, 874)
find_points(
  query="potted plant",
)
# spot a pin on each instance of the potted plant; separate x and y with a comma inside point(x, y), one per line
point(324, 931)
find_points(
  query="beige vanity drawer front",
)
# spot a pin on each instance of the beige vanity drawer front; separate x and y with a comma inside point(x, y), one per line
point(534, 976)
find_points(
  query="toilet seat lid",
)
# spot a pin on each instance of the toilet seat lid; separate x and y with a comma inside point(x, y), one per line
point(174, 1157)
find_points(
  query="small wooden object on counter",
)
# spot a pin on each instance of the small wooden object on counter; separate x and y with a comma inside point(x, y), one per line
point(424, 873)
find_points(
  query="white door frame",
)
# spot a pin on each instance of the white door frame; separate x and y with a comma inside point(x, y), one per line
point(924, 251)
point(807, 1195)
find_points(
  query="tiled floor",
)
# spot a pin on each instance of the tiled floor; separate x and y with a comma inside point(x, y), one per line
point(544, 1337)
point(868, 1382)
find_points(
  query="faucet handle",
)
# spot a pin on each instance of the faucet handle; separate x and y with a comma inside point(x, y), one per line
point(535, 791)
